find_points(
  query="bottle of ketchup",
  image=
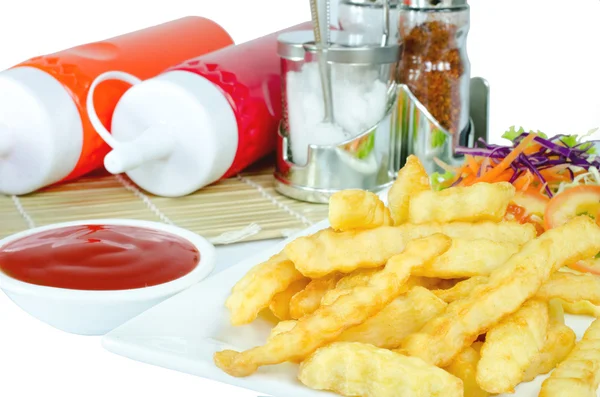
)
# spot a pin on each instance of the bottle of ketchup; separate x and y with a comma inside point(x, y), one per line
point(45, 134)
point(203, 120)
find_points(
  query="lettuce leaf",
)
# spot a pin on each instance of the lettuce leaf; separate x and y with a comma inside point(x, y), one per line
point(513, 133)
point(569, 140)
point(440, 181)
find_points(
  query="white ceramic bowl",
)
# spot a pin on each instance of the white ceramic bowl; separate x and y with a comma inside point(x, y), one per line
point(98, 312)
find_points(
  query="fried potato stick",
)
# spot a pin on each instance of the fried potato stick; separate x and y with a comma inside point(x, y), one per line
point(478, 202)
point(461, 290)
point(508, 287)
point(326, 290)
point(358, 278)
point(280, 304)
point(572, 288)
point(356, 209)
point(280, 328)
point(468, 258)
point(464, 367)
point(361, 277)
point(308, 300)
point(579, 374)
point(560, 340)
point(511, 346)
point(582, 308)
point(403, 316)
point(412, 179)
point(328, 251)
point(329, 322)
point(257, 288)
point(357, 369)
point(579, 293)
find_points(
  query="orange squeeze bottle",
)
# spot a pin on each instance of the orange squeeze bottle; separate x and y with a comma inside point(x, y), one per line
point(45, 134)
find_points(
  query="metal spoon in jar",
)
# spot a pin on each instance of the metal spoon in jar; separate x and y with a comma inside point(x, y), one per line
point(320, 12)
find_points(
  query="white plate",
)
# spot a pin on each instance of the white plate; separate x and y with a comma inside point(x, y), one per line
point(185, 331)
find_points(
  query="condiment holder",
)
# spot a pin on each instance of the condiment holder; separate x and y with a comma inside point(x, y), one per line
point(432, 106)
point(407, 129)
point(316, 159)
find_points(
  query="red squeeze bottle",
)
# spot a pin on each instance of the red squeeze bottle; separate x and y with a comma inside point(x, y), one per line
point(45, 134)
point(203, 120)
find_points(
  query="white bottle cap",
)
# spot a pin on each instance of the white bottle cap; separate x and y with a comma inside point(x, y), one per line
point(41, 134)
point(172, 134)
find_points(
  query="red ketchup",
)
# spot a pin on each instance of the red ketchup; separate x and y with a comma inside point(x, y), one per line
point(198, 122)
point(96, 257)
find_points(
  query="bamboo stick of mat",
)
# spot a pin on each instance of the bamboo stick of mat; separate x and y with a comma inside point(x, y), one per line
point(229, 206)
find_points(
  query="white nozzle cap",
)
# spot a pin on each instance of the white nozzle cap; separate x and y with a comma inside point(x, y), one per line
point(156, 143)
point(173, 134)
point(41, 133)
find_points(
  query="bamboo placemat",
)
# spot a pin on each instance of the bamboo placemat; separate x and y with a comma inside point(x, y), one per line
point(242, 208)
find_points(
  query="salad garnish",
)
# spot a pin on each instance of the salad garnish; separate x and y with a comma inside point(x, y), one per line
point(556, 178)
point(532, 161)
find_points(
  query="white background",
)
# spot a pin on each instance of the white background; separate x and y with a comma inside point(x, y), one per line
point(541, 57)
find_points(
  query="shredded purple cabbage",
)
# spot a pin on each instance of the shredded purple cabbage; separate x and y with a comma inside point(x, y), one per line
point(515, 176)
point(554, 152)
point(553, 147)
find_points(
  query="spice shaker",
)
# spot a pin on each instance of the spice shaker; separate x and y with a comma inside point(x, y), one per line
point(434, 63)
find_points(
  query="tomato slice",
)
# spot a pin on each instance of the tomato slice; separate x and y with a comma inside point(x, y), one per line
point(517, 213)
point(532, 201)
point(580, 200)
point(526, 207)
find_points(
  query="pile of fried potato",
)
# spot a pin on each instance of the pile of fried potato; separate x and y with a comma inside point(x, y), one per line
point(435, 295)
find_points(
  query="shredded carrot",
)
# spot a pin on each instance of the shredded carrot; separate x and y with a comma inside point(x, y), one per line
point(505, 176)
point(473, 165)
point(485, 164)
point(532, 148)
point(464, 170)
point(522, 183)
point(494, 173)
point(486, 169)
point(468, 181)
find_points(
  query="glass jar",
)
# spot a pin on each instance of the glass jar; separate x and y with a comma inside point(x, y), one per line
point(364, 19)
point(361, 77)
point(434, 62)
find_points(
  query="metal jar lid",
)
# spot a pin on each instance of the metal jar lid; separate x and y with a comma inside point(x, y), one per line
point(433, 4)
point(294, 46)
